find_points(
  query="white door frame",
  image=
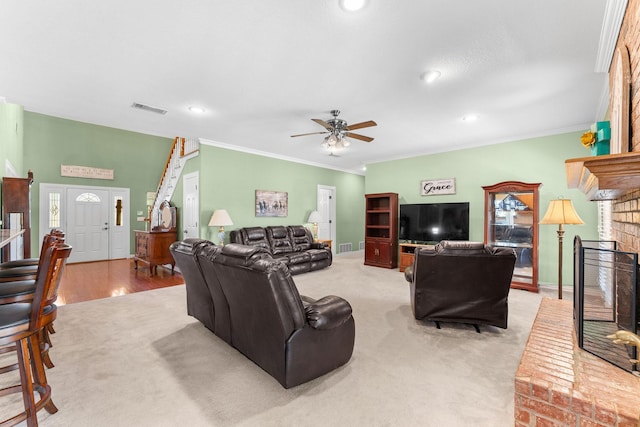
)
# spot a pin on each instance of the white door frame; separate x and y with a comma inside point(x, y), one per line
point(332, 215)
point(119, 235)
point(191, 205)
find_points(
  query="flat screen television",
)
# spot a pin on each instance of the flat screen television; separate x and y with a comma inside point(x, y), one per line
point(433, 222)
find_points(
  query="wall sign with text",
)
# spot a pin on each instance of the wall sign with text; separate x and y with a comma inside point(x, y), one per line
point(434, 187)
point(85, 172)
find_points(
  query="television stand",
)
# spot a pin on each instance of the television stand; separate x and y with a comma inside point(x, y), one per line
point(406, 253)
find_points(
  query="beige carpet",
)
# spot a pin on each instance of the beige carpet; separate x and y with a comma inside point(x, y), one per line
point(139, 360)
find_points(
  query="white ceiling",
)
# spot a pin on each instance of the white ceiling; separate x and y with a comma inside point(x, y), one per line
point(264, 69)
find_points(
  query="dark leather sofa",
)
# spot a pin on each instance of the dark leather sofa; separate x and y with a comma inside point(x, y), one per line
point(460, 281)
point(291, 244)
point(247, 298)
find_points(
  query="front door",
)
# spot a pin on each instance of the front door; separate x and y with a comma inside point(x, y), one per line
point(88, 224)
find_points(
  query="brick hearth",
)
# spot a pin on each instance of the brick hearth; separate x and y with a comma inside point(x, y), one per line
point(559, 384)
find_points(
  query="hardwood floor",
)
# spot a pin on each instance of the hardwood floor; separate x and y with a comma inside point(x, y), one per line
point(104, 279)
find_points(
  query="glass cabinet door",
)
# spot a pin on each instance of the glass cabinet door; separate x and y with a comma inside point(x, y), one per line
point(511, 220)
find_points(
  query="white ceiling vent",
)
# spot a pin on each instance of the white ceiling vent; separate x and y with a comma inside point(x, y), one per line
point(145, 107)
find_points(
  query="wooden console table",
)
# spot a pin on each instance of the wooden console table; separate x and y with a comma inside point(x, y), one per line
point(152, 247)
point(328, 242)
point(406, 254)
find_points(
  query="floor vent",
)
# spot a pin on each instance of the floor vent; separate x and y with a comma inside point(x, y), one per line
point(361, 246)
point(344, 247)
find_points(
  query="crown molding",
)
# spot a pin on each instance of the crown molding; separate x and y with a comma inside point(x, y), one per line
point(611, 23)
point(275, 156)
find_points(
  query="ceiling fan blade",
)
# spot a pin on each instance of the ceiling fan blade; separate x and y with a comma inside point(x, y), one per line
point(323, 124)
point(361, 125)
point(357, 136)
point(305, 134)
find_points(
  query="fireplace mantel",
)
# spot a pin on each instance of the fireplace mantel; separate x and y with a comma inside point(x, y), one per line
point(604, 177)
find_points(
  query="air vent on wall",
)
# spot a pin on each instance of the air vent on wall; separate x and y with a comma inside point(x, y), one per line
point(156, 110)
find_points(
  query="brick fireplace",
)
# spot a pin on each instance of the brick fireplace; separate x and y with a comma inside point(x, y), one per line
point(559, 384)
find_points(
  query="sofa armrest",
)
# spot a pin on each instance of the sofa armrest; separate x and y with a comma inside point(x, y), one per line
point(408, 274)
point(328, 312)
point(319, 245)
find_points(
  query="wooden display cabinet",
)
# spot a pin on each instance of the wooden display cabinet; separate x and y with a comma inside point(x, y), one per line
point(16, 206)
point(381, 230)
point(511, 220)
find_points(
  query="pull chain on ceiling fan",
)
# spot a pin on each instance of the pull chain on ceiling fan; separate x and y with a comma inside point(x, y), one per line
point(338, 131)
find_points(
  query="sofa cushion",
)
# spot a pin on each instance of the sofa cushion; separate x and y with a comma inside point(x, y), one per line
point(318, 254)
point(279, 240)
point(301, 238)
point(255, 236)
point(298, 257)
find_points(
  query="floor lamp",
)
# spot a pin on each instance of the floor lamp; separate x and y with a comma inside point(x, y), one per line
point(561, 212)
point(220, 218)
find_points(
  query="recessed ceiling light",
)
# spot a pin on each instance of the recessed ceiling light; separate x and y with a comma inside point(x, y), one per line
point(430, 76)
point(470, 118)
point(198, 110)
point(352, 5)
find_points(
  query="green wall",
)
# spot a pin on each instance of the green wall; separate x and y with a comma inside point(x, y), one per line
point(229, 179)
point(137, 159)
point(11, 138)
point(532, 160)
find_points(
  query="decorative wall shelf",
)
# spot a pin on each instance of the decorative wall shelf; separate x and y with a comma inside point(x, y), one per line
point(604, 177)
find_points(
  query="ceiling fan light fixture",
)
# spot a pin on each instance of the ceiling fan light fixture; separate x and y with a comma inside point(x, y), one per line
point(352, 5)
point(430, 76)
point(196, 109)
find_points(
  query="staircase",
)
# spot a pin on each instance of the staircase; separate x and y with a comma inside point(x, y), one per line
point(182, 150)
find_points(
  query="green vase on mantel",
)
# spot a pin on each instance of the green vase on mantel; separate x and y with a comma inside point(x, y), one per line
point(600, 148)
point(603, 136)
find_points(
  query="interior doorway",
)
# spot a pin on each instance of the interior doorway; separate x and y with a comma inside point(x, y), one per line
point(96, 220)
point(326, 207)
point(190, 203)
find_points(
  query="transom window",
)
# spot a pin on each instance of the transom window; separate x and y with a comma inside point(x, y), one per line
point(88, 197)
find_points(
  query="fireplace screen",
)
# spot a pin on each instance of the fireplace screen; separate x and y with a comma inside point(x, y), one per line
point(605, 300)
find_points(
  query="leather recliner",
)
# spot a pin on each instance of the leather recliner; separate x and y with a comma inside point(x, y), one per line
point(460, 281)
point(291, 244)
point(259, 311)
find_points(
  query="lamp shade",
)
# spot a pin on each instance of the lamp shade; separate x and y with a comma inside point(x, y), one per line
point(314, 217)
point(561, 211)
point(220, 217)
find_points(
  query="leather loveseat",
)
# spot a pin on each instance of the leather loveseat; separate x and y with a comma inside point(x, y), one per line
point(460, 281)
point(291, 244)
point(247, 298)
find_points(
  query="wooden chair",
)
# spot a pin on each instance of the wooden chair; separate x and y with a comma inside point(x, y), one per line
point(23, 291)
point(32, 261)
point(21, 326)
point(27, 269)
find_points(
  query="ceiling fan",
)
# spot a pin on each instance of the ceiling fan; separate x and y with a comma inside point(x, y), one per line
point(338, 131)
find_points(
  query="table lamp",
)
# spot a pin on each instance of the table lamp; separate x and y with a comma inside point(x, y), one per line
point(220, 218)
point(561, 212)
point(315, 218)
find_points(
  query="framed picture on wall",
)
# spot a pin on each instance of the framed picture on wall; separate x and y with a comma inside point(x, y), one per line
point(272, 203)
